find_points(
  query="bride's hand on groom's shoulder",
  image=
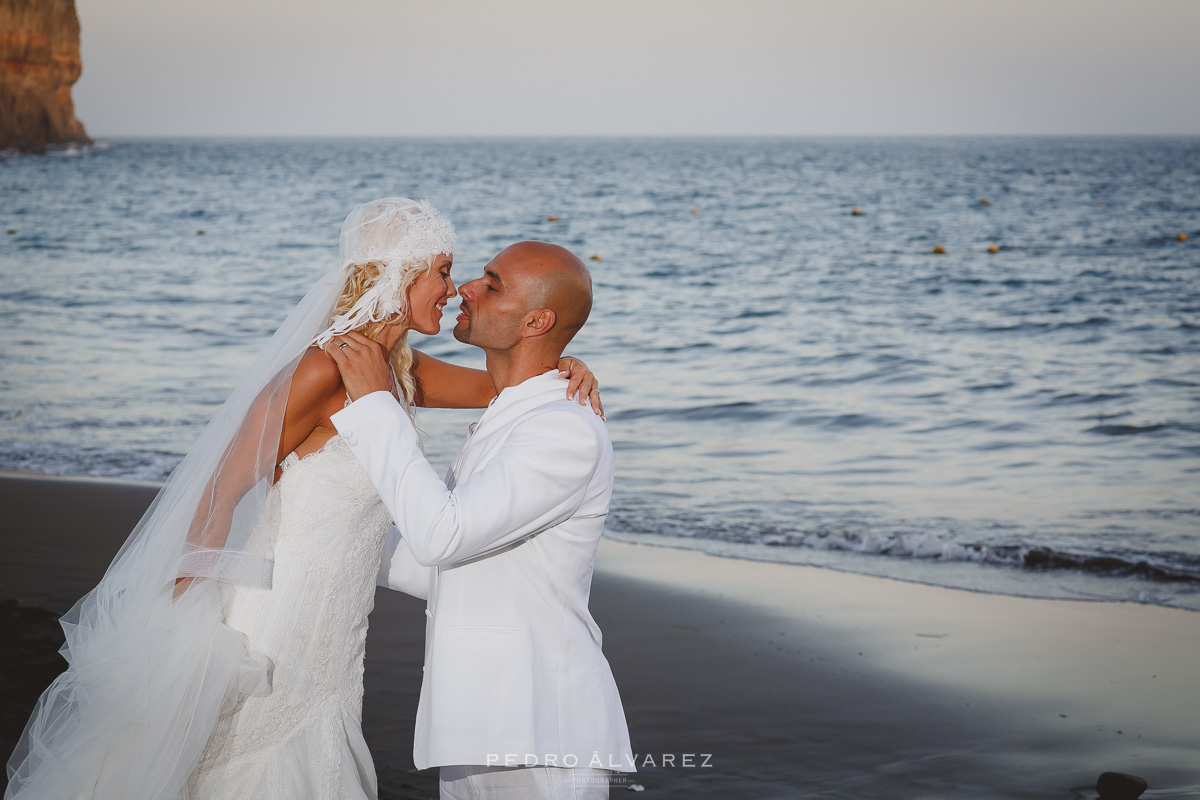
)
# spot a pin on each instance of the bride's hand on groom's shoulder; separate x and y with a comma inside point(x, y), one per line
point(362, 362)
point(581, 383)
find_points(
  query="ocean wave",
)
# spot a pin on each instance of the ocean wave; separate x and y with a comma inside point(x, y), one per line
point(841, 421)
point(1127, 430)
point(1078, 398)
point(932, 543)
point(743, 411)
point(1042, 327)
point(97, 462)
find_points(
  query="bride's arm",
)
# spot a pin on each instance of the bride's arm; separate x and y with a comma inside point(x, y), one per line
point(445, 385)
point(441, 384)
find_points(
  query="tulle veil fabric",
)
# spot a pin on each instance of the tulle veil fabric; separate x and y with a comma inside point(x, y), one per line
point(148, 672)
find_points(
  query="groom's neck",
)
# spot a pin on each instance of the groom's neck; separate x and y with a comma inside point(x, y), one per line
point(510, 367)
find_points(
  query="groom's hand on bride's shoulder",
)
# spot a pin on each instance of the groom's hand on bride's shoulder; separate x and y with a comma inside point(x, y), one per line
point(362, 362)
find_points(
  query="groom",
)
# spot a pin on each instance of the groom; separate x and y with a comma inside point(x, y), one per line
point(517, 698)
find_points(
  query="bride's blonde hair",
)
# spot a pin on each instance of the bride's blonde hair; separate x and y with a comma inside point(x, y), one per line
point(360, 278)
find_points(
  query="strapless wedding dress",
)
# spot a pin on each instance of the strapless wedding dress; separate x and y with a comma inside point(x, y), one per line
point(303, 741)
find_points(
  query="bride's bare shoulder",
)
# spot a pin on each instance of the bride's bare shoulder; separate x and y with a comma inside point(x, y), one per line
point(316, 378)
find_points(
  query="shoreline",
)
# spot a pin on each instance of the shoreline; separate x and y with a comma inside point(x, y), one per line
point(737, 551)
point(792, 679)
point(23, 474)
point(718, 548)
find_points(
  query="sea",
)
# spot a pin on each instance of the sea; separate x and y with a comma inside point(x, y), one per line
point(968, 362)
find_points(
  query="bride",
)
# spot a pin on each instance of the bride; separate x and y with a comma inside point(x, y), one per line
point(221, 656)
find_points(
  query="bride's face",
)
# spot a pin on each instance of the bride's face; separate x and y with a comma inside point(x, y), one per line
point(427, 296)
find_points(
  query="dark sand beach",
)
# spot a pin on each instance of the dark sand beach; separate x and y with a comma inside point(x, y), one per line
point(783, 681)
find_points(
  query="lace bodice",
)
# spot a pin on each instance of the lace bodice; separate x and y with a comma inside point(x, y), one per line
point(327, 526)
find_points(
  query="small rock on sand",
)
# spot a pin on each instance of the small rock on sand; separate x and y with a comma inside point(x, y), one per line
point(1119, 786)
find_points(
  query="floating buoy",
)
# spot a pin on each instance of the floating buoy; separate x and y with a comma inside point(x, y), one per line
point(200, 232)
point(983, 201)
point(1102, 203)
point(597, 257)
point(857, 211)
point(695, 211)
point(11, 231)
point(993, 249)
point(553, 218)
point(939, 250)
point(1181, 237)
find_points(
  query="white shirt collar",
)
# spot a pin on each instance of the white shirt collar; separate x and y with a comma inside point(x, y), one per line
point(526, 389)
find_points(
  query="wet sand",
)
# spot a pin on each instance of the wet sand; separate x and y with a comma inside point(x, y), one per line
point(785, 681)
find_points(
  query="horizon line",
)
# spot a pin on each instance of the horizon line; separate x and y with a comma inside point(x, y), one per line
point(365, 136)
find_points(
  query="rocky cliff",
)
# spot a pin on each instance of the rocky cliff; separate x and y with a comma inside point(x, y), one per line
point(39, 61)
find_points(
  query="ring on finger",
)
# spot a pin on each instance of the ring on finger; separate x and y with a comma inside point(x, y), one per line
point(342, 346)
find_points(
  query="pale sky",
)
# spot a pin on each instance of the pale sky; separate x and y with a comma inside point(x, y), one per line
point(638, 67)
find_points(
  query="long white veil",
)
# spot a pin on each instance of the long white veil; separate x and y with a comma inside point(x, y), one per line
point(149, 673)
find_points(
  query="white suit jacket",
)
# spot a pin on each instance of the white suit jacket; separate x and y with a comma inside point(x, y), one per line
point(503, 551)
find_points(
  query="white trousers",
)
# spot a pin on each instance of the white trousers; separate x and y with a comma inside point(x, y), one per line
point(476, 782)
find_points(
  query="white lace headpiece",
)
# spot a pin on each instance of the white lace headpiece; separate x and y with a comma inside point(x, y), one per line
point(399, 234)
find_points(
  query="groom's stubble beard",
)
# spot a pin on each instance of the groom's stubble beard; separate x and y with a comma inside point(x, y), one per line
point(484, 336)
point(462, 331)
point(495, 332)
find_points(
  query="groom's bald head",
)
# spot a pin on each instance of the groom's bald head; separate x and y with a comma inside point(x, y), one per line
point(555, 278)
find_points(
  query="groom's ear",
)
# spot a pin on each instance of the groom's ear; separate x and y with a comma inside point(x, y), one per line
point(539, 322)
